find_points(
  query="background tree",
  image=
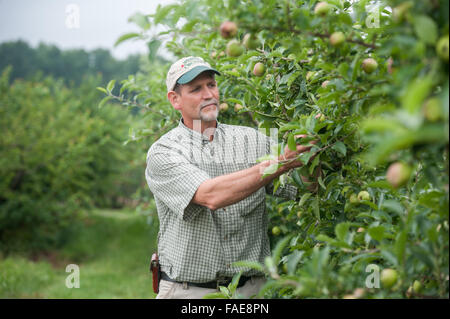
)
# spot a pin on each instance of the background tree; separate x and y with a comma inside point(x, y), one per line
point(369, 80)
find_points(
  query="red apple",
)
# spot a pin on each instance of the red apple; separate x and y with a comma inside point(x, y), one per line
point(228, 29)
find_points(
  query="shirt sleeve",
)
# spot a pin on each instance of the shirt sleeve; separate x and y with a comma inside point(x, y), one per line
point(174, 180)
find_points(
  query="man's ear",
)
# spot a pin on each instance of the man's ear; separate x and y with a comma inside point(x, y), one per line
point(175, 99)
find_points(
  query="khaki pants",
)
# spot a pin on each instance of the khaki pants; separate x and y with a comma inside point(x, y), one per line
point(174, 290)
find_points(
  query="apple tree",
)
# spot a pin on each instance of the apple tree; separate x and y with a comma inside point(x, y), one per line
point(368, 80)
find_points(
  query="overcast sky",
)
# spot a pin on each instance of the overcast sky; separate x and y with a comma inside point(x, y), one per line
point(86, 24)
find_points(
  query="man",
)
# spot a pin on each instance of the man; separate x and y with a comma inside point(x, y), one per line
point(209, 190)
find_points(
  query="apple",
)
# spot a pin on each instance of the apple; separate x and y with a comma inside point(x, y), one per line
point(223, 107)
point(398, 174)
point(337, 38)
point(238, 107)
point(388, 277)
point(363, 195)
point(322, 9)
point(234, 48)
point(310, 75)
point(417, 287)
point(432, 109)
point(369, 65)
point(354, 199)
point(259, 69)
point(276, 230)
point(250, 41)
point(228, 29)
point(325, 83)
point(320, 117)
point(442, 48)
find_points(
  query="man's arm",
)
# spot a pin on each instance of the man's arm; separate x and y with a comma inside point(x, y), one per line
point(229, 189)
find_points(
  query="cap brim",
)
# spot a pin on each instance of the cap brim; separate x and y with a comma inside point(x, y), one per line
point(192, 74)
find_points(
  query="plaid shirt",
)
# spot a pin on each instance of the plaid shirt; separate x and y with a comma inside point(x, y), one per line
point(196, 244)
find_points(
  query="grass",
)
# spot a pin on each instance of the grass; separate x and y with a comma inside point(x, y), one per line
point(112, 250)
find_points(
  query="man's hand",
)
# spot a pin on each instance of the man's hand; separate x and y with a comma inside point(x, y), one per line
point(290, 157)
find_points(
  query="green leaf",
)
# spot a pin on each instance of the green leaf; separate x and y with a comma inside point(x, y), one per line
point(141, 20)
point(306, 156)
point(249, 264)
point(279, 248)
point(102, 89)
point(293, 259)
point(234, 282)
point(289, 126)
point(377, 232)
point(416, 93)
point(215, 295)
point(153, 47)
point(225, 291)
point(316, 208)
point(271, 169)
point(304, 199)
point(341, 230)
point(426, 29)
point(104, 101)
point(110, 85)
point(126, 37)
point(319, 179)
point(291, 142)
point(340, 147)
point(400, 245)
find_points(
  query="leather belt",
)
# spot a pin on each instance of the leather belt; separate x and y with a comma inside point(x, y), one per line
point(210, 284)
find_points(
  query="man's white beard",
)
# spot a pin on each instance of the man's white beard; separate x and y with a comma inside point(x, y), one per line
point(210, 116)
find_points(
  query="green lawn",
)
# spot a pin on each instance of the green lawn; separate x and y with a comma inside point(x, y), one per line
point(112, 251)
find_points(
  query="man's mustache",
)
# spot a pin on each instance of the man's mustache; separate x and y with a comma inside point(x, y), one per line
point(206, 103)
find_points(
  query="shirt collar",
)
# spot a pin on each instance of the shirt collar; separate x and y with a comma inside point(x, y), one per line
point(197, 136)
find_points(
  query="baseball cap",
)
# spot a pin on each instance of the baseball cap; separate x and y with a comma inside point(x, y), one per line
point(185, 70)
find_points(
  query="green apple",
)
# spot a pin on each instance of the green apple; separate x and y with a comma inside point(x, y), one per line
point(250, 41)
point(363, 195)
point(276, 230)
point(389, 277)
point(432, 109)
point(337, 38)
point(259, 69)
point(238, 107)
point(354, 199)
point(310, 75)
point(398, 174)
point(223, 107)
point(322, 9)
point(228, 29)
point(234, 48)
point(369, 65)
point(442, 48)
point(417, 287)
